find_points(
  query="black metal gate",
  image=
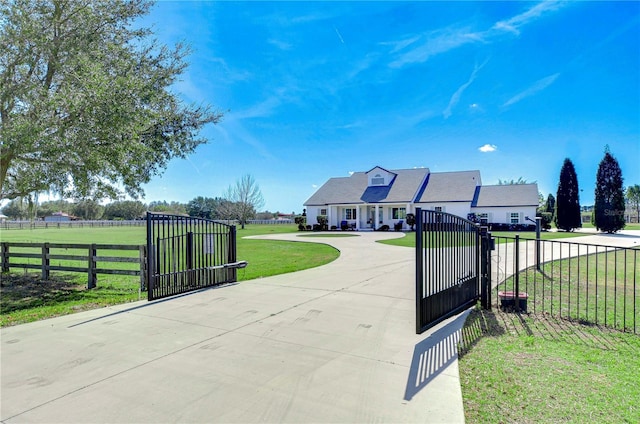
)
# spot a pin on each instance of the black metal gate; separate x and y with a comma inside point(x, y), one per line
point(186, 253)
point(448, 266)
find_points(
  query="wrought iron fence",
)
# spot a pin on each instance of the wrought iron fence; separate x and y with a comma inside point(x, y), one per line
point(589, 283)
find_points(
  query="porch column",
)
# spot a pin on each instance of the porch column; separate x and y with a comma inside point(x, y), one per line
point(358, 217)
point(375, 217)
point(408, 210)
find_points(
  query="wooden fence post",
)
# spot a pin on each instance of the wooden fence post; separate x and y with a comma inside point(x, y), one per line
point(143, 267)
point(45, 261)
point(92, 267)
point(5, 257)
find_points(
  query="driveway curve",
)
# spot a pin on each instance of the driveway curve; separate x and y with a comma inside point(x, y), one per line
point(334, 343)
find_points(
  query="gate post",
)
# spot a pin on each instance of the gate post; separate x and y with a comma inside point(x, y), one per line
point(46, 261)
point(5, 256)
point(485, 267)
point(92, 277)
point(516, 289)
point(150, 259)
point(538, 220)
point(231, 254)
point(419, 270)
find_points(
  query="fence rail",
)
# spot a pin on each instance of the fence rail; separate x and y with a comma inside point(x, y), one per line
point(32, 225)
point(590, 283)
point(40, 256)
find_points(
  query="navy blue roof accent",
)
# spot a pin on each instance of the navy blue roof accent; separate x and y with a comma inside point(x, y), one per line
point(422, 189)
point(474, 202)
point(374, 194)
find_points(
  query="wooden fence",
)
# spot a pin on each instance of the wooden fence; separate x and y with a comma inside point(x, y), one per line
point(40, 256)
point(32, 225)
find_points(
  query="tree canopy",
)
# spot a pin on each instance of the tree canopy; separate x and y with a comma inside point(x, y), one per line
point(608, 213)
point(567, 216)
point(86, 108)
point(243, 200)
point(633, 199)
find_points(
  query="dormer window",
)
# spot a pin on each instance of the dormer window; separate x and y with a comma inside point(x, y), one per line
point(379, 177)
point(377, 180)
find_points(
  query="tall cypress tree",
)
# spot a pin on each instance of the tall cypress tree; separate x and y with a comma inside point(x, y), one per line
point(567, 215)
point(609, 208)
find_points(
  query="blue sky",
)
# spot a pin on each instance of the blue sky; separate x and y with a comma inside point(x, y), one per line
point(315, 90)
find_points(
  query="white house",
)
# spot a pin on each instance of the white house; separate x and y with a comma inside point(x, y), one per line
point(368, 200)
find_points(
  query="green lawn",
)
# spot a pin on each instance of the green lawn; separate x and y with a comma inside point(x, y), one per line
point(533, 369)
point(23, 298)
point(409, 240)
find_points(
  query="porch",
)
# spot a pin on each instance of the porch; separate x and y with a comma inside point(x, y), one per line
point(368, 217)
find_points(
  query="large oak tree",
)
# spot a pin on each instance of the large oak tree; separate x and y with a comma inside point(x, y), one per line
point(85, 99)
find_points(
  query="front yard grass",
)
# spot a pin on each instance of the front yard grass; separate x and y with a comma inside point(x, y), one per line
point(24, 297)
point(533, 369)
point(409, 239)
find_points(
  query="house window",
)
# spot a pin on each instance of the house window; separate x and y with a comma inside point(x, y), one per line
point(350, 213)
point(398, 213)
point(377, 180)
point(515, 218)
point(323, 212)
point(438, 208)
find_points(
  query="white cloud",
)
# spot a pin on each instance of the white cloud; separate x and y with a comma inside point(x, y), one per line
point(282, 45)
point(487, 148)
point(455, 98)
point(513, 25)
point(421, 47)
point(539, 85)
point(436, 42)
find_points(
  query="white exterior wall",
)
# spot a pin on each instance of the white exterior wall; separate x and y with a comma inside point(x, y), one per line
point(501, 215)
point(313, 212)
point(461, 209)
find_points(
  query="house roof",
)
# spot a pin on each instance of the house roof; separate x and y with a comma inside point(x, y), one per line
point(421, 186)
point(450, 187)
point(353, 190)
point(507, 195)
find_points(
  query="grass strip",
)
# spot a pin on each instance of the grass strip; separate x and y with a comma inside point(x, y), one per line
point(532, 369)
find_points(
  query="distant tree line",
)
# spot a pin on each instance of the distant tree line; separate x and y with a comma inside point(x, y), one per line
point(240, 202)
point(204, 207)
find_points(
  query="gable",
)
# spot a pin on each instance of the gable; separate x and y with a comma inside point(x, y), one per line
point(378, 176)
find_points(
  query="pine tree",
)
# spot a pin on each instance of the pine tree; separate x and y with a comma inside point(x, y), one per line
point(609, 196)
point(567, 216)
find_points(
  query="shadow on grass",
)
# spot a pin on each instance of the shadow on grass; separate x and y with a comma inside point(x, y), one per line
point(480, 323)
point(26, 291)
point(493, 323)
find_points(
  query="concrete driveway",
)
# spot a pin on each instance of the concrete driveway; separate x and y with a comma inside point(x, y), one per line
point(335, 343)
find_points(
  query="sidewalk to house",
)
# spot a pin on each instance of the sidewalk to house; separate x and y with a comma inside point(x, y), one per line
point(335, 343)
